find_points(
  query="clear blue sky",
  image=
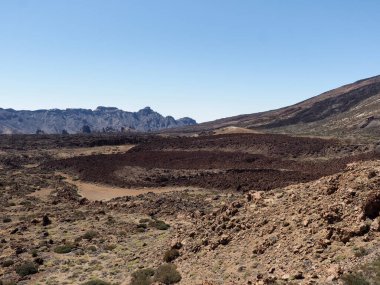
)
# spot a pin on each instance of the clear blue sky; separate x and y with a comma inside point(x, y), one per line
point(201, 58)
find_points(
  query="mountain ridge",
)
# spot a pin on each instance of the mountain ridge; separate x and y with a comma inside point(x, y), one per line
point(353, 108)
point(78, 120)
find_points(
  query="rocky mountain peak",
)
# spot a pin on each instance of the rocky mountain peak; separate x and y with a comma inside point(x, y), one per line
point(146, 111)
point(102, 119)
point(106, 109)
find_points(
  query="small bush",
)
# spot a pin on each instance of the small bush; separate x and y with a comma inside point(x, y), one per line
point(90, 235)
point(110, 220)
point(142, 226)
point(62, 249)
point(39, 261)
point(96, 282)
point(46, 221)
point(26, 203)
point(360, 251)
point(6, 220)
point(92, 248)
point(144, 221)
point(171, 255)
point(110, 247)
point(142, 277)
point(34, 252)
point(7, 263)
point(26, 269)
point(354, 279)
point(167, 274)
point(160, 225)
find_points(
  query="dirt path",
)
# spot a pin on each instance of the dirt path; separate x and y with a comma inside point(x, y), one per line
point(100, 192)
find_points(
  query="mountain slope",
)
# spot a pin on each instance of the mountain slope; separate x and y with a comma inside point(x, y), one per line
point(56, 121)
point(353, 108)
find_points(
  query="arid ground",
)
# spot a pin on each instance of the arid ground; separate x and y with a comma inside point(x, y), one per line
point(236, 207)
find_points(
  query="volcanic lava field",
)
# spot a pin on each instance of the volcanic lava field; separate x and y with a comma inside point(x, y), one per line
point(238, 162)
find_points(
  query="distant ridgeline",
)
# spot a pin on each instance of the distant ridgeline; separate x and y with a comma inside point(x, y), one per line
point(73, 121)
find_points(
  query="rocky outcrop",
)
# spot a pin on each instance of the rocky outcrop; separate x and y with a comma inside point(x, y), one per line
point(313, 231)
point(103, 119)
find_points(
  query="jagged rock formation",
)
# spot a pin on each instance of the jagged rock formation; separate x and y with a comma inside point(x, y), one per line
point(103, 119)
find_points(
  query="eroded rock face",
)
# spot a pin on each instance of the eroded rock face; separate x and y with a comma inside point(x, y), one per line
point(73, 121)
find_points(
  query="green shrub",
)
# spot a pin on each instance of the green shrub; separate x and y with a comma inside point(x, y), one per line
point(354, 279)
point(62, 249)
point(96, 282)
point(142, 277)
point(90, 235)
point(142, 226)
point(34, 252)
point(7, 263)
point(167, 274)
point(26, 269)
point(171, 255)
point(160, 225)
point(144, 221)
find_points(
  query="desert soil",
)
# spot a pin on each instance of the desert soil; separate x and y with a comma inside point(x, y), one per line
point(239, 208)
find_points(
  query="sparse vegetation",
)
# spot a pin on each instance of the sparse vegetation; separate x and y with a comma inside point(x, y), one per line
point(211, 234)
point(62, 249)
point(92, 248)
point(367, 274)
point(90, 235)
point(110, 247)
point(167, 274)
point(2, 282)
point(360, 251)
point(96, 282)
point(171, 255)
point(7, 263)
point(160, 225)
point(142, 226)
point(34, 252)
point(142, 277)
point(25, 269)
point(46, 221)
point(6, 220)
point(354, 279)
